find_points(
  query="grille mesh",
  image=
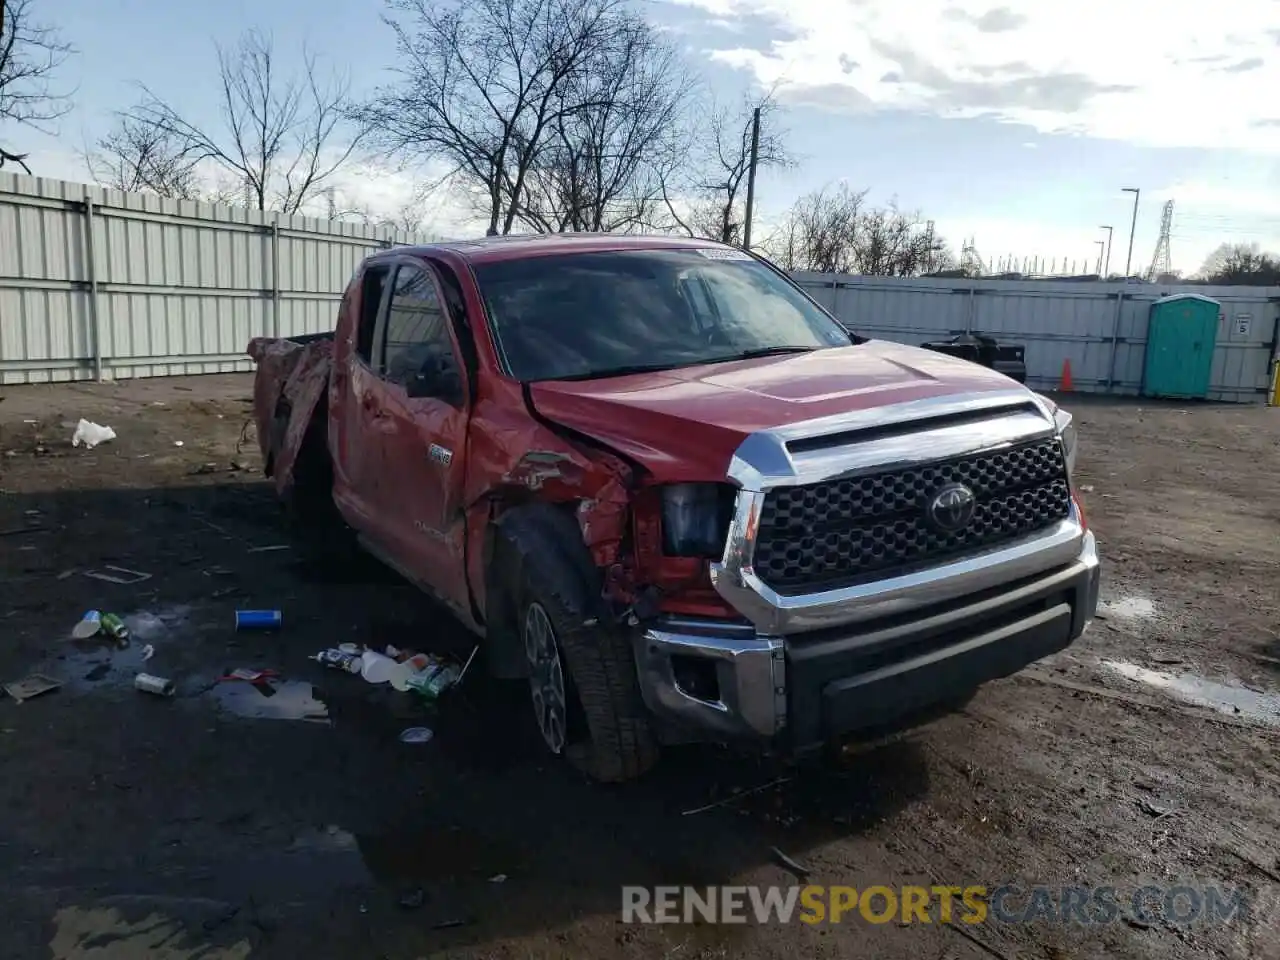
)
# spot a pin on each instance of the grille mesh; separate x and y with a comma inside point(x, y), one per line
point(827, 534)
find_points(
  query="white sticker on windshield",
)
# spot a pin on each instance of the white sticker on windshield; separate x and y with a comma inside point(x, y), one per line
point(723, 253)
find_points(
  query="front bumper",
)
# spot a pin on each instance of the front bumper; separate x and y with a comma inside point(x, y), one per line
point(803, 690)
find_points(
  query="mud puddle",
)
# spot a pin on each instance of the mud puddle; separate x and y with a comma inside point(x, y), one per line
point(270, 700)
point(1225, 698)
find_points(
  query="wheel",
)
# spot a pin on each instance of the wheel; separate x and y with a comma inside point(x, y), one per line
point(583, 688)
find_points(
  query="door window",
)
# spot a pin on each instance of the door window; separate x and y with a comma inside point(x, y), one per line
point(417, 353)
point(371, 288)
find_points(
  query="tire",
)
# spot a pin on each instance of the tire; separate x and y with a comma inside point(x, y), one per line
point(601, 724)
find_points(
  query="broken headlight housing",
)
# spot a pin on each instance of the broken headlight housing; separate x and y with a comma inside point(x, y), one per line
point(695, 519)
point(1065, 426)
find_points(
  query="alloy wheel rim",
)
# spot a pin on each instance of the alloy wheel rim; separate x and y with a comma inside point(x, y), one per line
point(546, 677)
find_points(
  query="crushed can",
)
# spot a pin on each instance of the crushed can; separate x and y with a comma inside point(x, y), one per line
point(339, 660)
point(159, 686)
point(114, 628)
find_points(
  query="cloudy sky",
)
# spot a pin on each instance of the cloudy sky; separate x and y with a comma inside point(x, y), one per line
point(1015, 122)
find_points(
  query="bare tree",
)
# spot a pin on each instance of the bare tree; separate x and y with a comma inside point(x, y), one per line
point(704, 181)
point(1241, 263)
point(30, 55)
point(282, 137)
point(832, 231)
point(136, 156)
point(894, 244)
point(820, 232)
point(483, 87)
point(597, 171)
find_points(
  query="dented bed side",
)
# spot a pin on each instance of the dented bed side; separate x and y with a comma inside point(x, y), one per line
point(297, 374)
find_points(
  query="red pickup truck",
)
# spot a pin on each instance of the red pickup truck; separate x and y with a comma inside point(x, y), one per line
point(668, 489)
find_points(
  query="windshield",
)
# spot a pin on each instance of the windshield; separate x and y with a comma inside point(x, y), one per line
point(596, 314)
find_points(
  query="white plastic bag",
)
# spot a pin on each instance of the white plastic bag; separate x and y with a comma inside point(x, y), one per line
point(91, 434)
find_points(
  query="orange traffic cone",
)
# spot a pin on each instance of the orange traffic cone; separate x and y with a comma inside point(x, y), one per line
point(1066, 386)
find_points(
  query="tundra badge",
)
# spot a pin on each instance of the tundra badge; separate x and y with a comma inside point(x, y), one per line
point(440, 455)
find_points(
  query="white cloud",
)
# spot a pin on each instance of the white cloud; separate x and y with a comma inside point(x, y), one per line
point(1190, 74)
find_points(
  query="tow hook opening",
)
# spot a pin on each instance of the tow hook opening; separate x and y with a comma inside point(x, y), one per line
point(696, 677)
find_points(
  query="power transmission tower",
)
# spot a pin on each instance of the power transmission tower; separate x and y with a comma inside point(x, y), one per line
point(1162, 261)
point(970, 260)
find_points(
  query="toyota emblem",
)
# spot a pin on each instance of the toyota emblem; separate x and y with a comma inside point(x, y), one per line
point(952, 508)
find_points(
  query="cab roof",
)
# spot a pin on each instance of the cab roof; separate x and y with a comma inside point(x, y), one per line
point(523, 246)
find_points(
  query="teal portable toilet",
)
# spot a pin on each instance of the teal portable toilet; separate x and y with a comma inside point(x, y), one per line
point(1182, 331)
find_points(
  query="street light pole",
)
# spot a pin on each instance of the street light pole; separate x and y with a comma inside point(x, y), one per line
point(1107, 269)
point(751, 178)
point(1128, 263)
point(1101, 245)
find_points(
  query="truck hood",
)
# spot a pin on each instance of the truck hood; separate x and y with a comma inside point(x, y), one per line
point(686, 424)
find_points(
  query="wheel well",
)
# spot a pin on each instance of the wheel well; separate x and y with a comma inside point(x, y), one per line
point(542, 533)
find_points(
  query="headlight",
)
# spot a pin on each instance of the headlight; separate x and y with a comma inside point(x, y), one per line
point(695, 519)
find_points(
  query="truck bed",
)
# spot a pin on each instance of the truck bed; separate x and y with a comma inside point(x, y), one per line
point(292, 375)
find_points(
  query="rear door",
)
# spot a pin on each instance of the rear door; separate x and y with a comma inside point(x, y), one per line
point(356, 443)
point(422, 406)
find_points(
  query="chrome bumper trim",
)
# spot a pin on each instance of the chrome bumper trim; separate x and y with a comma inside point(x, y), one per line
point(750, 670)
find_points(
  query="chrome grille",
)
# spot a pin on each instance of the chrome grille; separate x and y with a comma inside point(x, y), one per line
point(829, 534)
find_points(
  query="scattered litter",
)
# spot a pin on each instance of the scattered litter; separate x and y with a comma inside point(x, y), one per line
point(350, 662)
point(120, 575)
point(205, 468)
point(31, 686)
point(258, 619)
point(66, 574)
point(376, 668)
point(15, 531)
point(416, 735)
point(434, 680)
point(148, 652)
point(467, 666)
point(252, 676)
point(412, 899)
point(114, 628)
point(1155, 810)
point(88, 626)
point(270, 549)
point(783, 860)
point(177, 443)
point(239, 466)
point(30, 421)
point(736, 797)
point(498, 878)
point(159, 686)
point(91, 434)
point(1086, 488)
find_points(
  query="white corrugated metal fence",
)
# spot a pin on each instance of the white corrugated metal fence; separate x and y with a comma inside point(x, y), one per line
point(97, 283)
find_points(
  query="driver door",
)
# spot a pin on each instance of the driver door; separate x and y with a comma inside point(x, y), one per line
point(421, 416)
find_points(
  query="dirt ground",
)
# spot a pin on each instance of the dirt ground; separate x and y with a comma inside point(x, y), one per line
point(192, 827)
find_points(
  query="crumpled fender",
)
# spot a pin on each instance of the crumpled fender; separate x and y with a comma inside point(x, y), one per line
point(300, 374)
